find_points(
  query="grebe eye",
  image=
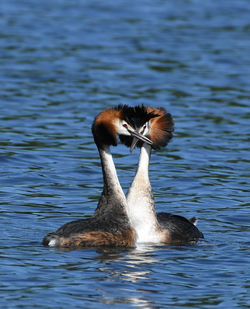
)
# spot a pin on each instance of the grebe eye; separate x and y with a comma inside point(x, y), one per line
point(143, 129)
point(125, 125)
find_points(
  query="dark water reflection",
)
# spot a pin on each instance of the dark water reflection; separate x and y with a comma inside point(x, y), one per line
point(62, 62)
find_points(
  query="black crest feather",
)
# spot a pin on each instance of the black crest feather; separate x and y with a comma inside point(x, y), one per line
point(161, 121)
point(135, 116)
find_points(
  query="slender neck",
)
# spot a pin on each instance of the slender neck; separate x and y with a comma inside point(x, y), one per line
point(143, 165)
point(141, 184)
point(141, 208)
point(112, 198)
point(110, 178)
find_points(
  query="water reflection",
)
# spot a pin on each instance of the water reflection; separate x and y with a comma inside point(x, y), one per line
point(143, 273)
point(134, 260)
point(130, 267)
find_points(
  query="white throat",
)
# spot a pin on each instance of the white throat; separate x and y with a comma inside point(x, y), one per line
point(112, 194)
point(141, 209)
point(109, 170)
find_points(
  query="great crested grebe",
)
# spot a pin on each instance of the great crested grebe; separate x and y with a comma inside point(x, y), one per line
point(149, 226)
point(110, 225)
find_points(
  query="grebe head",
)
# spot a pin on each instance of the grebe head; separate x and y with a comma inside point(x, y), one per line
point(153, 123)
point(116, 121)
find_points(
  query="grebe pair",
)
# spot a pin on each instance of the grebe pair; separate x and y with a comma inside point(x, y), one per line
point(119, 221)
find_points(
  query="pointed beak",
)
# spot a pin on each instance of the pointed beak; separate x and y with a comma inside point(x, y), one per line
point(138, 137)
point(134, 143)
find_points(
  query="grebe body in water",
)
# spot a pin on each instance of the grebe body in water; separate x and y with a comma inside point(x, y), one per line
point(149, 226)
point(110, 225)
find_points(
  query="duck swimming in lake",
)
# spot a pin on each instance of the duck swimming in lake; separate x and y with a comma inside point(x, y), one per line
point(110, 225)
point(149, 226)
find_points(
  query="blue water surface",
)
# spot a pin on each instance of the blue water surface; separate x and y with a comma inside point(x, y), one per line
point(62, 62)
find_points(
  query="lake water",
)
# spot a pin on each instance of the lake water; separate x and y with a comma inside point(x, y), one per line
point(62, 62)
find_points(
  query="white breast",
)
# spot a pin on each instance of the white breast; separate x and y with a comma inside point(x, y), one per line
point(143, 219)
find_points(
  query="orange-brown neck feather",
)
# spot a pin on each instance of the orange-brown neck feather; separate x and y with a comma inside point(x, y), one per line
point(104, 127)
point(161, 127)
